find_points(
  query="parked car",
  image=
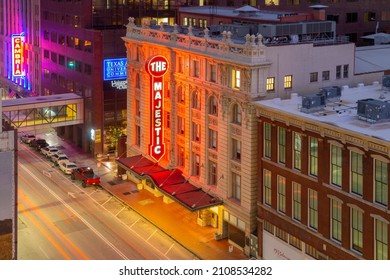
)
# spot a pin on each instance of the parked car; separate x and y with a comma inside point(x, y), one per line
point(27, 138)
point(58, 158)
point(38, 144)
point(49, 151)
point(67, 166)
point(86, 175)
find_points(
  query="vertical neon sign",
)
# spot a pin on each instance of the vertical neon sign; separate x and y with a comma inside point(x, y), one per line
point(17, 55)
point(156, 66)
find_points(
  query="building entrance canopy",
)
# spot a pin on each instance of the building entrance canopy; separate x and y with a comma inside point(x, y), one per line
point(170, 182)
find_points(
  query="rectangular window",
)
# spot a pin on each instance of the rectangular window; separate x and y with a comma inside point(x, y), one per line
point(185, 21)
point(267, 188)
point(87, 46)
point(236, 186)
point(46, 54)
point(338, 72)
point(311, 251)
point(351, 17)
point(281, 234)
point(267, 140)
point(345, 71)
point(87, 69)
point(236, 149)
point(180, 156)
point(356, 173)
point(357, 230)
point(281, 144)
point(61, 60)
point(196, 68)
point(138, 135)
point(297, 151)
point(212, 173)
point(168, 119)
point(195, 165)
point(297, 201)
point(336, 219)
point(236, 78)
point(313, 209)
point(294, 241)
point(313, 156)
point(137, 108)
point(381, 240)
point(380, 184)
point(213, 73)
point(180, 125)
point(336, 165)
point(288, 81)
point(213, 136)
point(313, 77)
point(325, 75)
point(271, 84)
point(196, 132)
point(281, 194)
point(180, 65)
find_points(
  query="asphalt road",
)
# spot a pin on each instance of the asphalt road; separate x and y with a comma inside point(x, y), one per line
point(58, 219)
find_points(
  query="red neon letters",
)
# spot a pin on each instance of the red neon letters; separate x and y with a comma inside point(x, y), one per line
point(156, 66)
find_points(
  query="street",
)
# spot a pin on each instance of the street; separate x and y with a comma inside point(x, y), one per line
point(58, 219)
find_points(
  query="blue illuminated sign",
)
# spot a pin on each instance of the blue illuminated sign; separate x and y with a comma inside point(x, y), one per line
point(114, 69)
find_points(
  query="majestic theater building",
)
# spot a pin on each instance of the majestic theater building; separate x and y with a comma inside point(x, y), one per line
point(192, 129)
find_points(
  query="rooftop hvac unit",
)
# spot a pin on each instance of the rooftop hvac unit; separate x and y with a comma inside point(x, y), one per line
point(332, 93)
point(373, 110)
point(386, 81)
point(313, 103)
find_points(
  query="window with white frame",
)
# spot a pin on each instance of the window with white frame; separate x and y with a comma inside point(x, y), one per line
point(267, 139)
point(356, 173)
point(236, 79)
point(236, 186)
point(381, 182)
point(357, 230)
point(313, 209)
point(381, 240)
point(281, 184)
point(297, 161)
point(236, 114)
point(281, 144)
point(336, 165)
point(336, 221)
point(297, 201)
point(267, 188)
point(213, 137)
point(313, 156)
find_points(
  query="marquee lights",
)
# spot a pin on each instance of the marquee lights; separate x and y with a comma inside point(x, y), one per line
point(156, 66)
point(17, 55)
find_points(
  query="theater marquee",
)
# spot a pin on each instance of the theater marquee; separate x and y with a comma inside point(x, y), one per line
point(156, 66)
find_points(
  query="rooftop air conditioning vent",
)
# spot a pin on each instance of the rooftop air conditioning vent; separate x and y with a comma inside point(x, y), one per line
point(372, 110)
point(332, 93)
point(313, 103)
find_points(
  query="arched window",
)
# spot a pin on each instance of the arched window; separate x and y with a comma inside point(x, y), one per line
point(236, 114)
point(196, 100)
point(213, 106)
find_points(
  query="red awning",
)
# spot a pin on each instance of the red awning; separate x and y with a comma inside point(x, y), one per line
point(171, 182)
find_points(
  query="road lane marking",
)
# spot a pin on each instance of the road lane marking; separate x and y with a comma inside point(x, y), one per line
point(105, 240)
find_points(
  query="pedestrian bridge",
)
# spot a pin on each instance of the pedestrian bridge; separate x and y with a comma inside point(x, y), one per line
point(43, 111)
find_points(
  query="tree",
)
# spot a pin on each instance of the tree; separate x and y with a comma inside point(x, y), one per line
point(112, 135)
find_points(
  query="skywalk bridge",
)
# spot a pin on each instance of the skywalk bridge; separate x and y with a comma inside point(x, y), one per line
point(43, 112)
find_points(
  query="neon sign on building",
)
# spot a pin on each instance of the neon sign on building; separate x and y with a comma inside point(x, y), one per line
point(114, 69)
point(156, 66)
point(17, 55)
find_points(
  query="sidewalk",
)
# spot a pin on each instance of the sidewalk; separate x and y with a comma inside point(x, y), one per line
point(173, 219)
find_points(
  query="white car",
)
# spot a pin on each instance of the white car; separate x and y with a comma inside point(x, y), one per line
point(27, 138)
point(58, 158)
point(67, 167)
point(49, 151)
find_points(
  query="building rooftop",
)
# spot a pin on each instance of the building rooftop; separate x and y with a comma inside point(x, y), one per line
point(245, 12)
point(342, 113)
point(372, 59)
